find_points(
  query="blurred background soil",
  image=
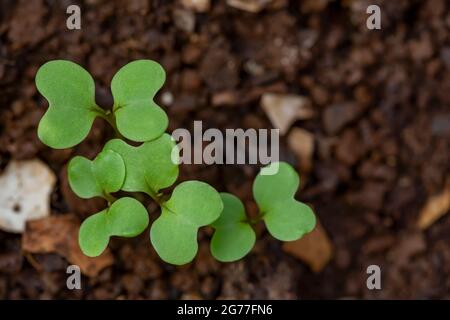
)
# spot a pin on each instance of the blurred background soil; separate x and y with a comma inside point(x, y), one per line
point(373, 151)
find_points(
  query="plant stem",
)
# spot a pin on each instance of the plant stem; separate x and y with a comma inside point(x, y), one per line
point(256, 220)
point(109, 198)
point(111, 119)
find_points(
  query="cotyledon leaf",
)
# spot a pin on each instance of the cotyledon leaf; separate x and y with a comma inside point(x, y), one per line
point(233, 236)
point(149, 167)
point(126, 217)
point(70, 92)
point(103, 175)
point(286, 218)
point(193, 204)
point(133, 87)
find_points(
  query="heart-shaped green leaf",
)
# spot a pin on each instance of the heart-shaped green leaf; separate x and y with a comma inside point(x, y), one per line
point(233, 237)
point(133, 87)
point(286, 218)
point(149, 167)
point(104, 175)
point(126, 217)
point(70, 91)
point(193, 204)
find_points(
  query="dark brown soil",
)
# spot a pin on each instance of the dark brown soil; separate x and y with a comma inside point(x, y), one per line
point(372, 171)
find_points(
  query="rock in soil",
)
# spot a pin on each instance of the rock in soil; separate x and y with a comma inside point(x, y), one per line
point(25, 193)
point(337, 116)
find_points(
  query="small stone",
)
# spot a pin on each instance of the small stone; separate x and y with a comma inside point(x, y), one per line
point(224, 98)
point(349, 148)
point(369, 196)
point(310, 6)
point(137, 7)
point(25, 194)
point(253, 68)
point(445, 56)
point(197, 5)
point(184, 20)
point(315, 248)
point(219, 68)
point(190, 80)
point(337, 116)
point(421, 49)
point(253, 6)
point(284, 109)
point(11, 262)
point(407, 246)
point(191, 53)
point(440, 125)
point(378, 244)
point(301, 143)
point(167, 98)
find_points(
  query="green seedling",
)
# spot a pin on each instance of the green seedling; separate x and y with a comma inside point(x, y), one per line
point(286, 218)
point(70, 91)
point(233, 237)
point(98, 178)
point(150, 168)
point(193, 204)
point(126, 217)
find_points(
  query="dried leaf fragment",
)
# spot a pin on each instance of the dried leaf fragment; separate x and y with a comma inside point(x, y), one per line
point(197, 5)
point(59, 234)
point(434, 208)
point(284, 109)
point(315, 248)
point(301, 143)
point(253, 6)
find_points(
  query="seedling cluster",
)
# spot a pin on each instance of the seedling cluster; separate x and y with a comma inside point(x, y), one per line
point(149, 168)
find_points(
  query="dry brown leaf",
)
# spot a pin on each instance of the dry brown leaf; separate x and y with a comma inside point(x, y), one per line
point(315, 248)
point(197, 5)
point(434, 208)
point(301, 143)
point(253, 6)
point(59, 234)
point(284, 109)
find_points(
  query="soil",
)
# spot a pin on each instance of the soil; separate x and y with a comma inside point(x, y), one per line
point(381, 132)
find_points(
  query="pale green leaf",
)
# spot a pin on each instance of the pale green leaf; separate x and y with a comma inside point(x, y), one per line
point(233, 236)
point(126, 217)
point(286, 218)
point(134, 87)
point(70, 91)
point(193, 204)
point(105, 174)
point(149, 167)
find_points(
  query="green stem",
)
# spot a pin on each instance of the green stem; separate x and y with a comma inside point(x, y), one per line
point(256, 220)
point(155, 197)
point(111, 119)
point(108, 197)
